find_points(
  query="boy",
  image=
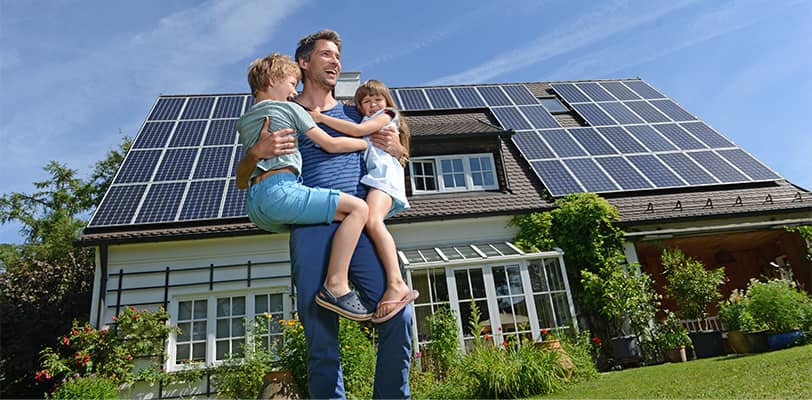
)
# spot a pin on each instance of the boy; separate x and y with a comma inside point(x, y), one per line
point(276, 197)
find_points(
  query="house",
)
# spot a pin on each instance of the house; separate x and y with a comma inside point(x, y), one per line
point(172, 232)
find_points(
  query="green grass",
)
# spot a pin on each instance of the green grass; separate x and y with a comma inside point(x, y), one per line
point(779, 374)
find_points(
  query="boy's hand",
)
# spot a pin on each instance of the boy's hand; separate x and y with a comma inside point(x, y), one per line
point(316, 114)
point(387, 140)
point(270, 144)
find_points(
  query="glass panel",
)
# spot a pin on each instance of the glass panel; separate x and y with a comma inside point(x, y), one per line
point(200, 309)
point(430, 184)
point(463, 290)
point(185, 331)
point(515, 279)
point(222, 328)
point(420, 282)
point(545, 311)
point(222, 349)
point(430, 255)
point(276, 303)
point(440, 285)
point(237, 327)
point(199, 330)
point(520, 310)
point(500, 281)
point(562, 309)
point(477, 283)
point(418, 168)
point(457, 164)
point(238, 305)
point(274, 326)
point(468, 252)
point(185, 310)
point(554, 274)
point(222, 307)
point(260, 303)
point(450, 253)
point(198, 351)
point(448, 180)
point(428, 168)
point(484, 317)
point(181, 353)
point(421, 316)
point(237, 347)
point(489, 179)
point(477, 179)
point(419, 183)
point(475, 164)
point(459, 180)
point(413, 256)
point(446, 165)
point(487, 249)
point(537, 281)
point(504, 249)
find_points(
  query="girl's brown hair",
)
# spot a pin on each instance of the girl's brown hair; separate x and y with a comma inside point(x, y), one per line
point(374, 87)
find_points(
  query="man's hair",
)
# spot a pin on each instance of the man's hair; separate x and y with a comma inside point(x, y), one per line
point(308, 42)
point(275, 66)
point(374, 87)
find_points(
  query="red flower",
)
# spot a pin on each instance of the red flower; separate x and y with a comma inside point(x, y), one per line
point(505, 343)
point(545, 331)
point(596, 340)
point(129, 357)
point(135, 317)
point(41, 376)
point(132, 308)
point(487, 337)
point(65, 341)
point(499, 329)
point(74, 332)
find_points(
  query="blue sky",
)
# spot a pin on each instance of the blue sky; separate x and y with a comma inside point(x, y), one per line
point(75, 75)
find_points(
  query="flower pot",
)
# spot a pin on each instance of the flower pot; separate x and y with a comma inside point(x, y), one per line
point(707, 344)
point(782, 340)
point(279, 385)
point(676, 355)
point(738, 342)
point(626, 349)
point(757, 341)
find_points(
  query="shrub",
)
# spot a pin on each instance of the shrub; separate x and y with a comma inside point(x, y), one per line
point(513, 371)
point(735, 314)
point(87, 388)
point(670, 334)
point(241, 376)
point(689, 284)
point(444, 346)
point(778, 304)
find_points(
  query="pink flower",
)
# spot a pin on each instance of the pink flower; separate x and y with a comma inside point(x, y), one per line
point(418, 354)
point(65, 341)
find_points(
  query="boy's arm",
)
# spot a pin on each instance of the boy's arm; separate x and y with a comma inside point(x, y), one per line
point(335, 144)
point(269, 144)
point(352, 129)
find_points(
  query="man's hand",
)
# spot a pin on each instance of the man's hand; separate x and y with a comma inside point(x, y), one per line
point(269, 144)
point(387, 140)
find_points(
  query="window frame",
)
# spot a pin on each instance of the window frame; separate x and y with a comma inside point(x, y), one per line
point(468, 174)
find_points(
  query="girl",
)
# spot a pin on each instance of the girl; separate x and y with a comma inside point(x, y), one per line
point(387, 193)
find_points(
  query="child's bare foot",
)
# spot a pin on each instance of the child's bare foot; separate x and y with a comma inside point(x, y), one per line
point(393, 293)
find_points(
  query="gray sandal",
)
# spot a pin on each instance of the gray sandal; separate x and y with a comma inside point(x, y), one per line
point(348, 306)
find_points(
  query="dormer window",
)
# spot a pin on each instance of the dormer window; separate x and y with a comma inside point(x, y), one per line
point(553, 105)
point(454, 173)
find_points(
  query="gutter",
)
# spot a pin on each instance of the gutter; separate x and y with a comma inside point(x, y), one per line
point(670, 233)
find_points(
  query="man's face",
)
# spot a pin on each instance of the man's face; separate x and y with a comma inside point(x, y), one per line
point(324, 65)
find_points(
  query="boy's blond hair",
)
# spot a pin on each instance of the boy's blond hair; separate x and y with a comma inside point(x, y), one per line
point(273, 67)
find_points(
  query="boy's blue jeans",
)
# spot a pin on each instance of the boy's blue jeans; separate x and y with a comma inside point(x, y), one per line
point(309, 252)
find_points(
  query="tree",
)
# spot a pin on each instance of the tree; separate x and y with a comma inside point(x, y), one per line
point(46, 282)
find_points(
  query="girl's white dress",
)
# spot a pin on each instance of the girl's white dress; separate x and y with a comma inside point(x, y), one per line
point(385, 173)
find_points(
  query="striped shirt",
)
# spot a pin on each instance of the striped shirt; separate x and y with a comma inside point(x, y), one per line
point(342, 171)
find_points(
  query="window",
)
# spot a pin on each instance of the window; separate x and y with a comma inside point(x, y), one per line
point(453, 173)
point(553, 105)
point(213, 327)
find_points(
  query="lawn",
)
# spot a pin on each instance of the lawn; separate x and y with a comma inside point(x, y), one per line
point(779, 374)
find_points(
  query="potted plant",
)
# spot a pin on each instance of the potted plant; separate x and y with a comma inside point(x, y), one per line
point(780, 306)
point(693, 288)
point(744, 334)
point(672, 337)
point(624, 296)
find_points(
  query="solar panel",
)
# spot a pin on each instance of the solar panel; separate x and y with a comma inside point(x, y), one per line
point(468, 97)
point(646, 111)
point(562, 143)
point(166, 109)
point(413, 99)
point(238, 156)
point(643, 89)
point(249, 102)
point(520, 94)
point(234, 205)
point(188, 133)
point(591, 141)
point(556, 178)
point(679, 137)
point(441, 98)
point(494, 96)
point(119, 205)
point(569, 92)
point(650, 138)
point(687, 169)
point(748, 164)
point(595, 91)
point(228, 107)
point(706, 134)
point(673, 110)
point(592, 178)
point(203, 200)
point(161, 203)
point(138, 166)
point(153, 134)
point(717, 166)
point(623, 173)
point(621, 139)
point(593, 114)
point(539, 117)
point(620, 113)
point(655, 171)
point(221, 131)
point(620, 91)
point(176, 165)
point(214, 162)
point(532, 146)
point(198, 108)
point(510, 118)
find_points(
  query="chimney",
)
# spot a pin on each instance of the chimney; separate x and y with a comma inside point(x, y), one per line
point(347, 83)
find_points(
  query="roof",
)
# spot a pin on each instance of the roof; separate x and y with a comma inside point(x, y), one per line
point(423, 124)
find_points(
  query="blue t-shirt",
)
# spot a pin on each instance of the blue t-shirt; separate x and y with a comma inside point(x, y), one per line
point(342, 171)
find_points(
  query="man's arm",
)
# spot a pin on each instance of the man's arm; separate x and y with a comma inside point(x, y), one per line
point(335, 144)
point(388, 140)
point(269, 144)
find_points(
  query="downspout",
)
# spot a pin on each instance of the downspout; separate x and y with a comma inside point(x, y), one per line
point(103, 259)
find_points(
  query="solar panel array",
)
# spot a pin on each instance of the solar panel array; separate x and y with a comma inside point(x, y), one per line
point(182, 164)
point(636, 138)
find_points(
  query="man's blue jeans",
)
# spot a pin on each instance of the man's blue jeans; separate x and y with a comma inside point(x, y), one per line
point(309, 252)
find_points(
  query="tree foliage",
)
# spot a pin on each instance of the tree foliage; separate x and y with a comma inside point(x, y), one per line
point(690, 284)
point(46, 282)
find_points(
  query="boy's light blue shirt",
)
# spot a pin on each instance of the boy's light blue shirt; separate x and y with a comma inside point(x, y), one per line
point(283, 114)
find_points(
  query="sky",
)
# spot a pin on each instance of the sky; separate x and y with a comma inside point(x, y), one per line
point(76, 75)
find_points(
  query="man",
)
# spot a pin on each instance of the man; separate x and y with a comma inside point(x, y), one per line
point(319, 57)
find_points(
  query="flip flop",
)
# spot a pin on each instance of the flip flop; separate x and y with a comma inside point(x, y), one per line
point(401, 304)
point(348, 306)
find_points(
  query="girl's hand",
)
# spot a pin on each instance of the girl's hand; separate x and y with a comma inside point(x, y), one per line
point(316, 114)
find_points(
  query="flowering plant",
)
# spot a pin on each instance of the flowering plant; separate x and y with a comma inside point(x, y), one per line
point(548, 335)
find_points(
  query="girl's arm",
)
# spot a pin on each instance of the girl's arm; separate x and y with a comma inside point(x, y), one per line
point(335, 144)
point(352, 129)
